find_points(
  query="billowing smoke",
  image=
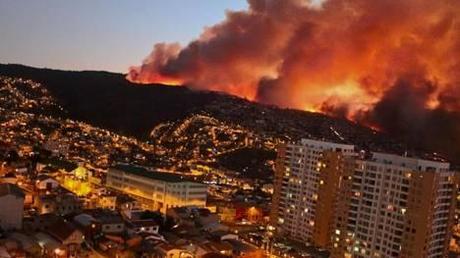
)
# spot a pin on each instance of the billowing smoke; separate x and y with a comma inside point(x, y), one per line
point(392, 64)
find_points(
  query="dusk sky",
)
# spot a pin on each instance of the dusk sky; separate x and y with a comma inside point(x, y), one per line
point(98, 34)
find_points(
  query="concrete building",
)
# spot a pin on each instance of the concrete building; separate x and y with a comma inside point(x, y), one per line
point(45, 182)
point(143, 227)
point(59, 203)
point(11, 206)
point(155, 190)
point(377, 205)
point(399, 207)
point(303, 194)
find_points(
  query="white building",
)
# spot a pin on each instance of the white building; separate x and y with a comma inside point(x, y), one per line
point(144, 226)
point(11, 206)
point(44, 182)
point(155, 190)
point(382, 205)
point(297, 182)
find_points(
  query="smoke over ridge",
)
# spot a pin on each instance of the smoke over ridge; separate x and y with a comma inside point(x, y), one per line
point(391, 64)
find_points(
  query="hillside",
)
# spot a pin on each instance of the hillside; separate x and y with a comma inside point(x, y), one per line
point(109, 101)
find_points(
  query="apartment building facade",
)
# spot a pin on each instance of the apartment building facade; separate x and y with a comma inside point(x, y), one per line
point(399, 207)
point(363, 205)
point(303, 191)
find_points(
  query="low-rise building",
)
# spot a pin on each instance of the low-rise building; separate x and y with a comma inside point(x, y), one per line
point(110, 222)
point(61, 204)
point(9, 178)
point(61, 239)
point(144, 226)
point(156, 190)
point(45, 182)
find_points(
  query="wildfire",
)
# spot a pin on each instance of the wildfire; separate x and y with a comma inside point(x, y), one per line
point(385, 63)
point(137, 77)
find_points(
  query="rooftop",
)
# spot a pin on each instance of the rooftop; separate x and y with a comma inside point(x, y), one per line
point(410, 162)
point(326, 145)
point(161, 176)
point(6, 189)
point(60, 163)
point(61, 230)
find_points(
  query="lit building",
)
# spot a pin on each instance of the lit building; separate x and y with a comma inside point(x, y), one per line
point(308, 180)
point(381, 205)
point(400, 207)
point(45, 182)
point(59, 203)
point(155, 190)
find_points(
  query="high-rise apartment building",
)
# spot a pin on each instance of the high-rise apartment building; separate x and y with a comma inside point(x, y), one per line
point(308, 179)
point(399, 207)
point(380, 205)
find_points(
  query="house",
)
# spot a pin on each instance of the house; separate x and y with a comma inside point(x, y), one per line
point(55, 164)
point(68, 236)
point(102, 202)
point(85, 220)
point(215, 248)
point(169, 251)
point(10, 178)
point(50, 246)
point(107, 202)
point(196, 216)
point(143, 226)
point(128, 207)
point(11, 248)
point(11, 206)
point(61, 204)
point(240, 211)
point(45, 182)
point(110, 221)
point(27, 243)
point(40, 222)
point(87, 224)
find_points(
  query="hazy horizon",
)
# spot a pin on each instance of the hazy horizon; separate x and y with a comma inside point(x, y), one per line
point(99, 35)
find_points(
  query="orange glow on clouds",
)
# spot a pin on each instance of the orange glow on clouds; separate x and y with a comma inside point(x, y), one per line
point(340, 57)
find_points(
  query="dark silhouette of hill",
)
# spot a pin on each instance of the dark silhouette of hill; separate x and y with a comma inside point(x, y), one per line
point(108, 100)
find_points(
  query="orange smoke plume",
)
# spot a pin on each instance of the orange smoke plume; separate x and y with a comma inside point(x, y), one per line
point(354, 58)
